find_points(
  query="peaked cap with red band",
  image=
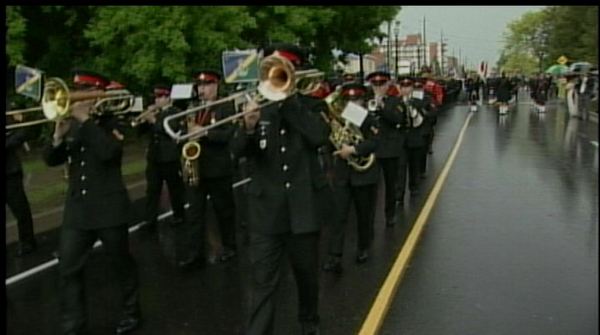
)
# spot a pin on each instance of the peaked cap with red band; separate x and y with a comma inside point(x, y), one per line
point(353, 90)
point(349, 77)
point(88, 78)
point(403, 81)
point(290, 52)
point(321, 92)
point(207, 76)
point(162, 90)
point(378, 76)
point(114, 85)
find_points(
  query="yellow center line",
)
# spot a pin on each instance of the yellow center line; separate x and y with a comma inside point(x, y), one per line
point(381, 305)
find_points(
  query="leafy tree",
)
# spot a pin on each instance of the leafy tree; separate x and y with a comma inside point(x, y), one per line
point(16, 26)
point(528, 36)
point(574, 33)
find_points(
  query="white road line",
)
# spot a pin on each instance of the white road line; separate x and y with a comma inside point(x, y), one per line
point(53, 262)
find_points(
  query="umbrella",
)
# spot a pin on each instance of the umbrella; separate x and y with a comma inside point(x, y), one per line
point(557, 69)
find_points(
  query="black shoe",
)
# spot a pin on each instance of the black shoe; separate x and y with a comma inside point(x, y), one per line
point(127, 325)
point(25, 248)
point(362, 257)
point(333, 264)
point(192, 262)
point(310, 328)
point(227, 255)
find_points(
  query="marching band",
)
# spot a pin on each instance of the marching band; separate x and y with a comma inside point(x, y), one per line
point(304, 155)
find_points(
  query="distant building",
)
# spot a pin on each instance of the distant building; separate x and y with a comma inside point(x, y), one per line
point(370, 63)
point(412, 49)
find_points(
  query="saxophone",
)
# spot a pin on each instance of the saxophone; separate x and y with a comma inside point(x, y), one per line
point(189, 157)
point(346, 133)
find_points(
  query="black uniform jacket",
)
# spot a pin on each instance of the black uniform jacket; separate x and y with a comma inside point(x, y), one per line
point(215, 159)
point(344, 174)
point(415, 135)
point(321, 162)
point(281, 149)
point(96, 195)
point(14, 140)
point(392, 128)
point(427, 107)
point(162, 148)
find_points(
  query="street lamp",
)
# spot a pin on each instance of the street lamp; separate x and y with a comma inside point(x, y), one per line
point(396, 32)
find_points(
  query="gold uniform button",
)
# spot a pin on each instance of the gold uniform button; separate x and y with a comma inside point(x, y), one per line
point(82, 149)
point(282, 132)
point(285, 167)
point(83, 192)
point(282, 149)
point(82, 163)
point(288, 185)
point(83, 178)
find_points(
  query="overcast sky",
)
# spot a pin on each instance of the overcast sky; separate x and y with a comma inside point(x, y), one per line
point(475, 30)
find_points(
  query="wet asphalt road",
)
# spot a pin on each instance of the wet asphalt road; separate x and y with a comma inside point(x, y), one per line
point(512, 244)
point(511, 248)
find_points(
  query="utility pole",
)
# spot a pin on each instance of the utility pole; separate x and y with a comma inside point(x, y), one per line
point(425, 41)
point(389, 46)
point(442, 51)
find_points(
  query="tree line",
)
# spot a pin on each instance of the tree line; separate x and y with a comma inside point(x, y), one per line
point(537, 39)
point(142, 45)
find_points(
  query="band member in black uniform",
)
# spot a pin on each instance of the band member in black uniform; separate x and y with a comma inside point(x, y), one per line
point(163, 158)
point(390, 149)
point(321, 163)
point(97, 206)
point(281, 140)
point(215, 171)
point(429, 120)
point(351, 185)
point(16, 199)
point(415, 144)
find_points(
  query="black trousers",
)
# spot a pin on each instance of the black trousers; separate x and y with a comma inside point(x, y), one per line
point(364, 198)
point(75, 247)
point(412, 168)
point(221, 196)
point(266, 258)
point(16, 199)
point(425, 152)
point(390, 168)
point(156, 173)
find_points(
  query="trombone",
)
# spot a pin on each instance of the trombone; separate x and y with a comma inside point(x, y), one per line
point(57, 99)
point(277, 81)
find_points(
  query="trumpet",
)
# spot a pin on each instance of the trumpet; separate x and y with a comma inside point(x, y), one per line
point(57, 99)
point(277, 81)
point(375, 104)
point(143, 117)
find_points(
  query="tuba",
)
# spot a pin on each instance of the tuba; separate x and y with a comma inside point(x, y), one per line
point(346, 133)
